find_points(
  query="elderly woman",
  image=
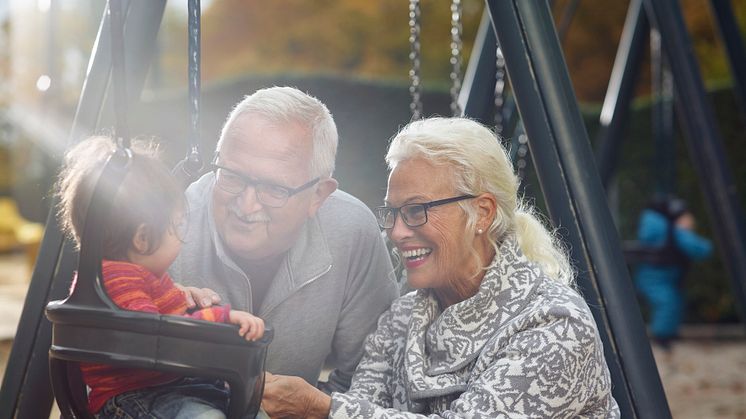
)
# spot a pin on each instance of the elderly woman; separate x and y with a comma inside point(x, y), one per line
point(494, 328)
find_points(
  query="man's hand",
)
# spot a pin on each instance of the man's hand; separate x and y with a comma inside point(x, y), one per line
point(250, 326)
point(292, 397)
point(199, 297)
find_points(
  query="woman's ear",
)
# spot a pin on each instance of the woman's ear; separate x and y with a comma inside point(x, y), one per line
point(486, 210)
point(140, 242)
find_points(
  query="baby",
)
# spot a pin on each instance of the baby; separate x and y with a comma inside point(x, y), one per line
point(141, 238)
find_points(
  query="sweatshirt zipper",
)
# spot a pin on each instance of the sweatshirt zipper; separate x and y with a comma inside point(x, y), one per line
point(270, 308)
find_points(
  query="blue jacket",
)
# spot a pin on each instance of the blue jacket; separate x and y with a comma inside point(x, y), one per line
point(653, 231)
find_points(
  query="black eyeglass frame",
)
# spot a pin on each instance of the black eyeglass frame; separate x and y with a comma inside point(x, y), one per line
point(251, 182)
point(379, 211)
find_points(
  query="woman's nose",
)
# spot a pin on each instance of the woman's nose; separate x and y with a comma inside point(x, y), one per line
point(400, 230)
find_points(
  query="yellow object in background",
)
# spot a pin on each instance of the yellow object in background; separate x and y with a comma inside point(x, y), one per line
point(17, 232)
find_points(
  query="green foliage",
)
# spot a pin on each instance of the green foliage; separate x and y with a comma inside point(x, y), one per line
point(369, 39)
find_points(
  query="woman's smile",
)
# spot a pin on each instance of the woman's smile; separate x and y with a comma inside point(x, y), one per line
point(416, 257)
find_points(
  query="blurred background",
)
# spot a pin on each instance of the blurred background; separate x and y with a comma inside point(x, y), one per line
point(354, 56)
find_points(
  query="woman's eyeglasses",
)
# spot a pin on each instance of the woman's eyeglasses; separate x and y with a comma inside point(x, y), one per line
point(413, 215)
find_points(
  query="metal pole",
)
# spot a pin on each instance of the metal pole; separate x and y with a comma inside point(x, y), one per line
point(29, 326)
point(575, 198)
point(663, 165)
point(704, 143)
point(620, 91)
point(478, 89)
point(140, 33)
point(731, 37)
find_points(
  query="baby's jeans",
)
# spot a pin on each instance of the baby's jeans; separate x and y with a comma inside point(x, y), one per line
point(193, 398)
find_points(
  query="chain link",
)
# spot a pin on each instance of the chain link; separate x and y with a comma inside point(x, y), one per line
point(521, 141)
point(456, 59)
point(521, 161)
point(500, 80)
point(415, 88)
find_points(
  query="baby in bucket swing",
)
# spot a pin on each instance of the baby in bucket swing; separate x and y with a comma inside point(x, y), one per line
point(143, 234)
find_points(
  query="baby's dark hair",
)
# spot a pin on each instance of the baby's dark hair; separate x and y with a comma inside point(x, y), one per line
point(148, 195)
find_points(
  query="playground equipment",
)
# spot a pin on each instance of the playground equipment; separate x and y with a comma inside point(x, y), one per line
point(560, 151)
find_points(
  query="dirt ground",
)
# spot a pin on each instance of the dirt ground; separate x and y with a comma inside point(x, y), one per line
point(705, 377)
point(704, 374)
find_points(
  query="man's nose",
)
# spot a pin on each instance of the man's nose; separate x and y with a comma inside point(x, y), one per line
point(248, 201)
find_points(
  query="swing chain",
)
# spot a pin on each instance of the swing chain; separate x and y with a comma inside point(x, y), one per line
point(194, 70)
point(499, 92)
point(456, 59)
point(522, 156)
point(415, 88)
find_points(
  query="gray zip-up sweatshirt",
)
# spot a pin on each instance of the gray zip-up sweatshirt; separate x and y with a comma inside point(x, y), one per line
point(325, 299)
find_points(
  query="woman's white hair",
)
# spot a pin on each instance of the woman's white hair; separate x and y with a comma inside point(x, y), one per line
point(481, 165)
point(287, 105)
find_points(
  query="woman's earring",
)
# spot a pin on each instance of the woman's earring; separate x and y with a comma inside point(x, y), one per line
point(480, 231)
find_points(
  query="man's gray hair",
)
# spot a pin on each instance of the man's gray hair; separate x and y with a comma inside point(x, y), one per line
point(284, 105)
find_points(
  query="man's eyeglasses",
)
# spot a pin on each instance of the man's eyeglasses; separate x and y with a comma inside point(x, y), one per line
point(413, 215)
point(268, 194)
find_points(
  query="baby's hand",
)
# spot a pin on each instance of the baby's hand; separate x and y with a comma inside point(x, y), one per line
point(199, 297)
point(251, 327)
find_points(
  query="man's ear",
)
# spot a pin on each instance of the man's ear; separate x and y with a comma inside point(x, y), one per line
point(323, 190)
point(140, 243)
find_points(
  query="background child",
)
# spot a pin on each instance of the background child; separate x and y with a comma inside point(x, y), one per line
point(668, 227)
point(142, 236)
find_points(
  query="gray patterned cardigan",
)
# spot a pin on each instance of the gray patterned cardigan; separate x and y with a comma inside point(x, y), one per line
point(523, 346)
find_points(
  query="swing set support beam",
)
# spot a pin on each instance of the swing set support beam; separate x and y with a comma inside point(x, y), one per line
point(575, 198)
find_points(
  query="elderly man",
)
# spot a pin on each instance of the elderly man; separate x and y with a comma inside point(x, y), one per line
point(271, 234)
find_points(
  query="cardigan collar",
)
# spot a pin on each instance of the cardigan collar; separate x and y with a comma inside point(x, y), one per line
point(441, 344)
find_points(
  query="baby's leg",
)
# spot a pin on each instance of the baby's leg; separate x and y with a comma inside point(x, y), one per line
point(184, 399)
point(193, 398)
point(194, 408)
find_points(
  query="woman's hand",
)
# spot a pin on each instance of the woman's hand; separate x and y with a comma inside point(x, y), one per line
point(292, 397)
point(199, 297)
point(250, 326)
